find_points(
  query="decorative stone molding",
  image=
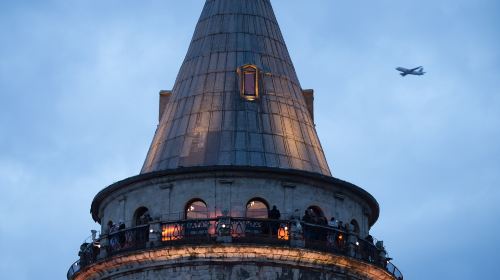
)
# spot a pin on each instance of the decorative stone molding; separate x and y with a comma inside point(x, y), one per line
point(226, 255)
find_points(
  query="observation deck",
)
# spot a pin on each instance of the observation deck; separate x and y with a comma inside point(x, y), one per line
point(214, 238)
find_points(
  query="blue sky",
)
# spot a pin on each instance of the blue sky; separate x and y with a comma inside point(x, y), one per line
point(79, 84)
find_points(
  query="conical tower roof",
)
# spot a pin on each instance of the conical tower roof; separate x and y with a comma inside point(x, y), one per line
point(208, 122)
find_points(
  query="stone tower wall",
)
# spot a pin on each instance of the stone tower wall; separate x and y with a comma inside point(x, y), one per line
point(166, 198)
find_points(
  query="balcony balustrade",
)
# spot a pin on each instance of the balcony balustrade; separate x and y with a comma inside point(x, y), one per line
point(284, 233)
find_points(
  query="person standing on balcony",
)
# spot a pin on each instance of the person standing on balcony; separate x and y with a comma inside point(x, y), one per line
point(112, 227)
point(274, 214)
point(121, 236)
point(370, 240)
point(145, 219)
point(308, 216)
point(333, 222)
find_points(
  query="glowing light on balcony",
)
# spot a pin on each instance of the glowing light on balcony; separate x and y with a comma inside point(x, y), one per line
point(283, 233)
point(171, 232)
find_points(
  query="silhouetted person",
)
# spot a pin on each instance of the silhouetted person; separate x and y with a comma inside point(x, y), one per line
point(308, 218)
point(341, 225)
point(333, 222)
point(144, 219)
point(111, 227)
point(84, 254)
point(369, 239)
point(121, 236)
point(274, 214)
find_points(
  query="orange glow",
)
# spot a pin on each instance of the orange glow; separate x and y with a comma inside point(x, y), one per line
point(283, 233)
point(171, 232)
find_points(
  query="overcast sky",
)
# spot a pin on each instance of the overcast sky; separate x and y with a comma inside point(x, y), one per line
point(79, 84)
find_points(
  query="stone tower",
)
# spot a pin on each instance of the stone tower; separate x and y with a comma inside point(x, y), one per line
point(235, 184)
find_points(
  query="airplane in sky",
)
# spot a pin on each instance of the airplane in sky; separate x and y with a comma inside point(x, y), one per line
point(419, 71)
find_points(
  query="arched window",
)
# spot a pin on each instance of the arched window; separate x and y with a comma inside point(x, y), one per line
point(257, 208)
point(316, 211)
point(355, 226)
point(141, 216)
point(249, 81)
point(315, 215)
point(196, 209)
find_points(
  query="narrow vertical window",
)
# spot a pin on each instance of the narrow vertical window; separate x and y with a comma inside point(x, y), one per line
point(249, 79)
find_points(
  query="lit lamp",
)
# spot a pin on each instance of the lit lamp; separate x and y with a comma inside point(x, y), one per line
point(283, 233)
point(224, 230)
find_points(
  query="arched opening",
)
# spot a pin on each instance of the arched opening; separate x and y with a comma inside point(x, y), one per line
point(315, 215)
point(196, 209)
point(141, 216)
point(355, 226)
point(257, 208)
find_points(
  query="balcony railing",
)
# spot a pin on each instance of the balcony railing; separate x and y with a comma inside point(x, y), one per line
point(283, 233)
point(128, 240)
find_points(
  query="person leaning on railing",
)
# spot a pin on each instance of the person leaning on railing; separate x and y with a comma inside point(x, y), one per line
point(112, 227)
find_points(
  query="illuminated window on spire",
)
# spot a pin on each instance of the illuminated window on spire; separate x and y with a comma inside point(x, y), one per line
point(249, 79)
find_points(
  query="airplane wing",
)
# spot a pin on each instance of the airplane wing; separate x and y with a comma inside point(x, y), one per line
point(416, 68)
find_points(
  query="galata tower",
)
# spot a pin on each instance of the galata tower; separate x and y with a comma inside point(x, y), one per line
point(235, 184)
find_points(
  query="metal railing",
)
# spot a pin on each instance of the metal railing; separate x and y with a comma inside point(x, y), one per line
point(392, 269)
point(128, 240)
point(283, 233)
point(74, 268)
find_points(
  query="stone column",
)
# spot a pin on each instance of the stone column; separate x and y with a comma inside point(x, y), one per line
point(123, 211)
point(223, 196)
point(165, 206)
point(224, 229)
point(289, 190)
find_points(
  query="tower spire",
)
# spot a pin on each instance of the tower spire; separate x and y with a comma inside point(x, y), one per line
point(237, 100)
